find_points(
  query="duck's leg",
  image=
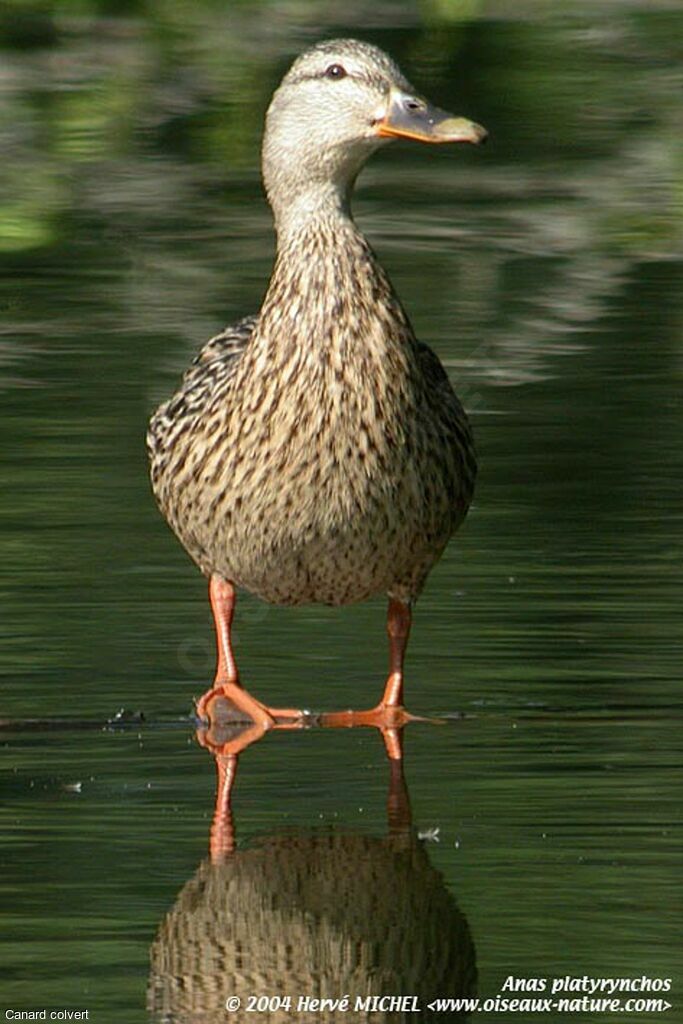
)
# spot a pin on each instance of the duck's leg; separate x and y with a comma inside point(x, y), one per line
point(389, 715)
point(226, 683)
point(399, 620)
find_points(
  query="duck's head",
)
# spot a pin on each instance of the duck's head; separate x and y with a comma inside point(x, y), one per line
point(338, 102)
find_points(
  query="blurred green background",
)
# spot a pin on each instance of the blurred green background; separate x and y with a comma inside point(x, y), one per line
point(546, 272)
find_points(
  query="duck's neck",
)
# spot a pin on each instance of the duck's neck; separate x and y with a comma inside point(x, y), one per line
point(308, 205)
point(327, 288)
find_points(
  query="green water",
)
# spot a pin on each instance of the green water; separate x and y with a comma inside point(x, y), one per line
point(546, 272)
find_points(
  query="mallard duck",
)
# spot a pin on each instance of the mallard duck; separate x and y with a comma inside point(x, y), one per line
point(316, 452)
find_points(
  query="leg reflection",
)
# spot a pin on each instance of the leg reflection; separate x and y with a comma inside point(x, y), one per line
point(227, 741)
point(226, 744)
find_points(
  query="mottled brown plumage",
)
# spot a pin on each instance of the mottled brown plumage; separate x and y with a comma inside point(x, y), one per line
point(317, 451)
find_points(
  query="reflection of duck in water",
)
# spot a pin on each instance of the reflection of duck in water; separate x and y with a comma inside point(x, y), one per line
point(317, 451)
point(319, 915)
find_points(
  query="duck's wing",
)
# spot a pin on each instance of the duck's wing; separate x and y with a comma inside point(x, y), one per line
point(221, 353)
point(450, 413)
point(206, 376)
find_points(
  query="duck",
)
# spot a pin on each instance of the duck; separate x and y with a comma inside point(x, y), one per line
point(316, 452)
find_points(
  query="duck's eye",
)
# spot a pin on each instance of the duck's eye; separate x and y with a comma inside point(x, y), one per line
point(335, 71)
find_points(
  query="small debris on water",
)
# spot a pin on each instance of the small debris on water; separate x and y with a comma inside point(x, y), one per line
point(126, 717)
point(429, 835)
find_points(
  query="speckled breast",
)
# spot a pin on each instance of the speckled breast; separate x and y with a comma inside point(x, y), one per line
point(304, 505)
